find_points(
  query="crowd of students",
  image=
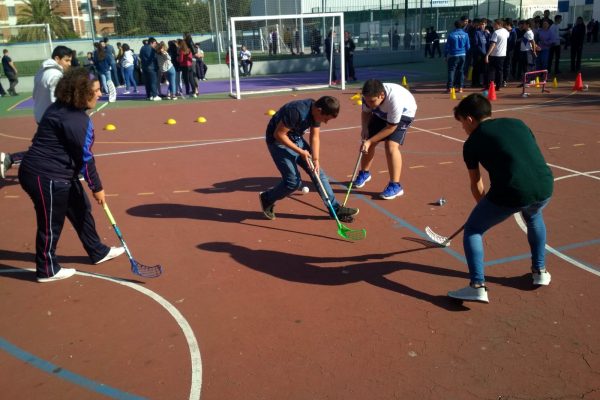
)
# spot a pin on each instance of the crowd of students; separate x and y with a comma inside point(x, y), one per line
point(503, 50)
point(179, 63)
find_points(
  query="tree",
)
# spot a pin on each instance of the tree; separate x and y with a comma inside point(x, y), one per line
point(161, 17)
point(131, 18)
point(43, 12)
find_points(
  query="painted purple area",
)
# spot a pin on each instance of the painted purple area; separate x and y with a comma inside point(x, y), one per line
point(262, 82)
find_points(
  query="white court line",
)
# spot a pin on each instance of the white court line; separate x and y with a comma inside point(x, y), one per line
point(183, 146)
point(517, 216)
point(196, 359)
point(575, 173)
point(552, 250)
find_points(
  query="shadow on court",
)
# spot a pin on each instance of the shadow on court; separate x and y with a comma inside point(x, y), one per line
point(302, 269)
point(255, 184)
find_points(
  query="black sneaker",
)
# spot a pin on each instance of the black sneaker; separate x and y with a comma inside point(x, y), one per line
point(348, 219)
point(342, 211)
point(267, 209)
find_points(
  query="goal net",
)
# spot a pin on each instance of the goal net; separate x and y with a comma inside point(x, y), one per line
point(287, 52)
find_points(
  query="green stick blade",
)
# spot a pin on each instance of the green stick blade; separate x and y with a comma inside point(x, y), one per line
point(352, 234)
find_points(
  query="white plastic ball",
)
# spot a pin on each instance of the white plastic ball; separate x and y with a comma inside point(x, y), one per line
point(305, 189)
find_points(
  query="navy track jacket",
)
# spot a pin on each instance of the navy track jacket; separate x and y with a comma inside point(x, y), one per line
point(62, 147)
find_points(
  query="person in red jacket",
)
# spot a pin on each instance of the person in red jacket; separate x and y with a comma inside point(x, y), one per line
point(185, 59)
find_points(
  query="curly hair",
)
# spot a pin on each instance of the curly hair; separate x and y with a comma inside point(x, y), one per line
point(76, 88)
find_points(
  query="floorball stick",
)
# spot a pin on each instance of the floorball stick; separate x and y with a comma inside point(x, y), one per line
point(360, 154)
point(98, 109)
point(112, 92)
point(137, 268)
point(442, 240)
point(343, 231)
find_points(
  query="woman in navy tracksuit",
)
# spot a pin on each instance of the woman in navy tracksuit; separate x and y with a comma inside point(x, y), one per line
point(60, 150)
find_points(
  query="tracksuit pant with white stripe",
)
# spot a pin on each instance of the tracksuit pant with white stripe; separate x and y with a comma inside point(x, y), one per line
point(54, 200)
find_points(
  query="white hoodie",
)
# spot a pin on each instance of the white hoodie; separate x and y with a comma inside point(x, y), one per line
point(44, 84)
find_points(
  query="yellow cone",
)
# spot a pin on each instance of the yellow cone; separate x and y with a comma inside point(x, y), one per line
point(453, 94)
point(537, 81)
point(110, 127)
point(555, 83)
point(270, 113)
point(171, 121)
point(201, 120)
point(355, 97)
point(404, 82)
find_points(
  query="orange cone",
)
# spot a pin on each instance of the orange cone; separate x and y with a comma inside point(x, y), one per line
point(578, 83)
point(492, 92)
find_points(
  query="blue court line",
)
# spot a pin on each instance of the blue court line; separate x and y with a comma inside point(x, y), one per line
point(561, 248)
point(64, 374)
point(459, 256)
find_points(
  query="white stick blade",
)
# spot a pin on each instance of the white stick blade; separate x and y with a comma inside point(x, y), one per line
point(434, 237)
point(112, 92)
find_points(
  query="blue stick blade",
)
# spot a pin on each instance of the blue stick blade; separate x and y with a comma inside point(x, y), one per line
point(145, 270)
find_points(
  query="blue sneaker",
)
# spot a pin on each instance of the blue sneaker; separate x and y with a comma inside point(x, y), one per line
point(362, 178)
point(392, 191)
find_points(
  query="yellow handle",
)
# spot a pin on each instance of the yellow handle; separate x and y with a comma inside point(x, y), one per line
point(109, 214)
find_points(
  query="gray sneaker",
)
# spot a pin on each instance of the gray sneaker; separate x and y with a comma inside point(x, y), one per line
point(267, 209)
point(5, 164)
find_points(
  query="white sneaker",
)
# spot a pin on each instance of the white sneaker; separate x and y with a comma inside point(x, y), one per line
point(114, 252)
point(63, 273)
point(471, 294)
point(4, 165)
point(541, 277)
point(126, 92)
point(156, 98)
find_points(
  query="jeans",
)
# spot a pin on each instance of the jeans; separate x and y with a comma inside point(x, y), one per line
point(170, 74)
point(13, 80)
point(104, 78)
point(455, 72)
point(287, 162)
point(576, 51)
point(129, 79)
point(542, 60)
point(486, 215)
point(187, 73)
point(554, 56)
point(150, 82)
point(113, 72)
point(496, 71)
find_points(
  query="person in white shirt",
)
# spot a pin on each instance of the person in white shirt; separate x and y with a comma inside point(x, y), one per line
point(387, 112)
point(496, 53)
point(527, 52)
point(246, 61)
point(128, 66)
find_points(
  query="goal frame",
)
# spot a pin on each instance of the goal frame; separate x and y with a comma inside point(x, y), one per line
point(234, 75)
point(48, 33)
